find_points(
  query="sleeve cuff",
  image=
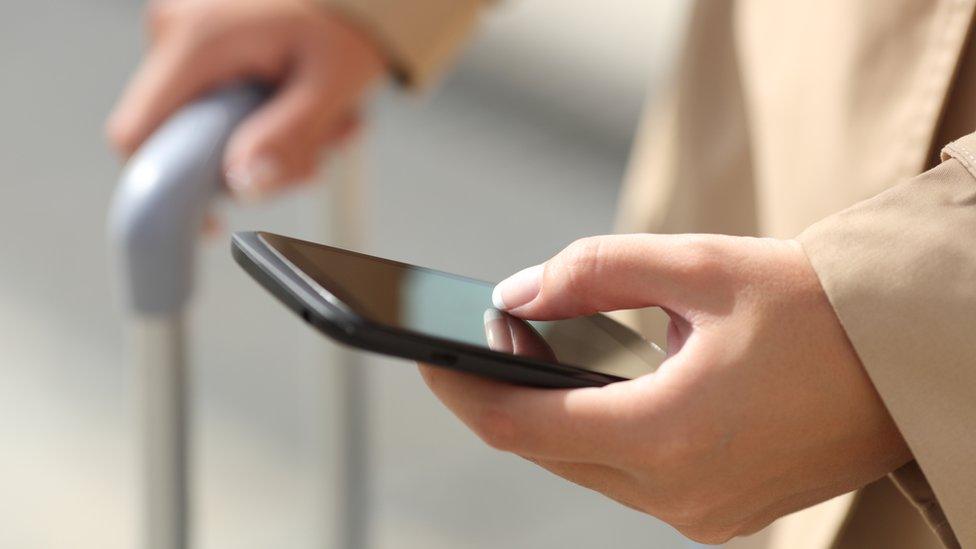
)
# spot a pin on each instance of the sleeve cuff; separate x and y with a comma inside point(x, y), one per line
point(422, 37)
point(900, 272)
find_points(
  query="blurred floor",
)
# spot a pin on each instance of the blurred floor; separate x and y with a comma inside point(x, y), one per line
point(492, 175)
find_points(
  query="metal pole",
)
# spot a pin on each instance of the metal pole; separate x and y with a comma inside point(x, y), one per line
point(351, 460)
point(157, 347)
point(158, 209)
point(344, 214)
point(157, 212)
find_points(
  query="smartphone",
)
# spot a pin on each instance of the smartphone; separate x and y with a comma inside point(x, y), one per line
point(438, 318)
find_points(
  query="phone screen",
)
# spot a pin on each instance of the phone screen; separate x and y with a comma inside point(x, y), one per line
point(447, 306)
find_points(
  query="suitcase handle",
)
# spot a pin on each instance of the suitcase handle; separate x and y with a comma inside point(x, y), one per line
point(164, 193)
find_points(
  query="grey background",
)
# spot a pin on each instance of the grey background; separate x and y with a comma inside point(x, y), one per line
point(518, 153)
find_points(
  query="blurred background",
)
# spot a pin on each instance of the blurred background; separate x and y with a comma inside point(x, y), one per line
point(519, 152)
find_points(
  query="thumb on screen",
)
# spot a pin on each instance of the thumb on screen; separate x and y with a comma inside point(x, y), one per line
point(603, 273)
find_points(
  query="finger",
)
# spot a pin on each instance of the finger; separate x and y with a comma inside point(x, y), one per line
point(282, 141)
point(507, 334)
point(159, 16)
point(527, 342)
point(586, 425)
point(174, 73)
point(497, 332)
point(347, 130)
point(608, 273)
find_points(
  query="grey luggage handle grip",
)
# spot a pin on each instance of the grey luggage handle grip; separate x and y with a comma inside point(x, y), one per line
point(164, 193)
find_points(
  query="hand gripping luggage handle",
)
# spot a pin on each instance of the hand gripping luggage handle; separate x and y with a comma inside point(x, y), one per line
point(164, 194)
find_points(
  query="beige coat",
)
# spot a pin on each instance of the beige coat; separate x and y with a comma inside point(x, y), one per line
point(817, 120)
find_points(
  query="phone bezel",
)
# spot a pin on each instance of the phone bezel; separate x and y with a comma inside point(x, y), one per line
point(321, 307)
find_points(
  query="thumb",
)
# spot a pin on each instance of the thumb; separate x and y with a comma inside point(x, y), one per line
point(603, 273)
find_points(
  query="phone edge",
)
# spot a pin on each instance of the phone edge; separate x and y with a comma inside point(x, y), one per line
point(347, 327)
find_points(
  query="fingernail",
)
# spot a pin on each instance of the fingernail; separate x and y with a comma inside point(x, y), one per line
point(497, 333)
point(251, 181)
point(518, 289)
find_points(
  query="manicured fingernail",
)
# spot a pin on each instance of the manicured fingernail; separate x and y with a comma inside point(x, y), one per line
point(497, 332)
point(518, 289)
point(252, 180)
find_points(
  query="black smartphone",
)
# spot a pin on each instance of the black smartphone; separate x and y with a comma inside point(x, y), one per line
point(439, 318)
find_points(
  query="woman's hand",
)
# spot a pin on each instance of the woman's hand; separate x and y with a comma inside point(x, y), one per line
point(762, 407)
point(322, 67)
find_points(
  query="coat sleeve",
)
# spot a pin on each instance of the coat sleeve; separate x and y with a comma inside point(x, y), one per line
point(900, 271)
point(422, 37)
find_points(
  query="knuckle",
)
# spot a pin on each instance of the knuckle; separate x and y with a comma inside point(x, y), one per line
point(700, 255)
point(496, 428)
point(157, 16)
point(707, 536)
point(579, 264)
point(161, 16)
point(119, 135)
point(189, 23)
point(702, 517)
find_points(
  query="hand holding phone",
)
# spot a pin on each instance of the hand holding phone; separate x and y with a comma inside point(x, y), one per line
point(761, 409)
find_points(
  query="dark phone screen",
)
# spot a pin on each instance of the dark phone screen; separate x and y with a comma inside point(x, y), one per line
point(457, 308)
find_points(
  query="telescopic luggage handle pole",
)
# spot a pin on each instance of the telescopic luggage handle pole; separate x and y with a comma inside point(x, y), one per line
point(156, 217)
point(157, 213)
